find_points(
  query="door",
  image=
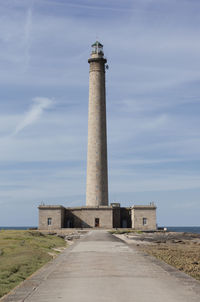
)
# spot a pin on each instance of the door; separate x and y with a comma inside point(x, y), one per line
point(96, 223)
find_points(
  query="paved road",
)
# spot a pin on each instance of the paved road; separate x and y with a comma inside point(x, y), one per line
point(101, 267)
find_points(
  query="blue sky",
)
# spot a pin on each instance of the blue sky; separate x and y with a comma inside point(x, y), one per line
point(153, 96)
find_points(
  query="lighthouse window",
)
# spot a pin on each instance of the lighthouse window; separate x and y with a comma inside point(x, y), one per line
point(49, 221)
point(144, 221)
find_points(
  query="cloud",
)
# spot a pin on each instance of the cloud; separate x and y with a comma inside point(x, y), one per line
point(35, 112)
point(93, 6)
point(152, 99)
point(139, 161)
point(27, 37)
point(153, 181)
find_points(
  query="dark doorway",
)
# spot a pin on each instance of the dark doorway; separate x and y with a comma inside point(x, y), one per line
point(125, 217)
point(96, 222)
point(124, 223)
point(70, 223)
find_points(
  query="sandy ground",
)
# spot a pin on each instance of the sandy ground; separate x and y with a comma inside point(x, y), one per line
point(181, 250)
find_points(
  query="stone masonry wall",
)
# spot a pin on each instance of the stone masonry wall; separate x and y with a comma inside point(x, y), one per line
point(141, 217)
point(97, 178)
point(85, 217)
point(56, 214)
point(141, 213)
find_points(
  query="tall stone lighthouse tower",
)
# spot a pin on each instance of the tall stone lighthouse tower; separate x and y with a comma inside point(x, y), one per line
point(97, 212)
point(97, 171)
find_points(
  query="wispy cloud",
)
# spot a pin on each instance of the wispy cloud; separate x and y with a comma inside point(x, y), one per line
point(35, 112)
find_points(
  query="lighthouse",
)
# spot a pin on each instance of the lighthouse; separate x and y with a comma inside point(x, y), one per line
point(97, 167)
point(97, 213)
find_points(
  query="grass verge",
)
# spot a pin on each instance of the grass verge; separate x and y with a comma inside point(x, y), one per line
point(22, 253)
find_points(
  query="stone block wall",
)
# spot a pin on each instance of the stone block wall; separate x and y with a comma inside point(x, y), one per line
point(136, 217)
point(84, 217)
point(144, 217)
point(55, 215)
point(97, 170)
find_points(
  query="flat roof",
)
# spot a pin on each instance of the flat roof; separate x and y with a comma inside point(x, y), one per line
point(90, 208)
point(42, 206)
point(140, 207)
point(135, 207)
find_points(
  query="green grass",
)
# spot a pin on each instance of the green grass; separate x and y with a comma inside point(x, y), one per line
point(22, 253)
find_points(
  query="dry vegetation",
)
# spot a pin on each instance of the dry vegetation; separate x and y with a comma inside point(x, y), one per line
point(22, 253)
point(181, 250)
point(185, 256)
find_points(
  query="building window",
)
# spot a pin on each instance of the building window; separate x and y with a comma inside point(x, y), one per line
point(49, 221)
point(144, 221)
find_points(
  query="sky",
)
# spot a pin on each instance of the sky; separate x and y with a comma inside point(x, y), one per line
point(153, 104)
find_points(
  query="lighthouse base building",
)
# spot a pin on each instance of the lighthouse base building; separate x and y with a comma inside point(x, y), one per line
point(97, 213)
point(138, 217)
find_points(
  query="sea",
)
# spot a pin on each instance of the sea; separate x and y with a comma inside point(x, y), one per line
point(17, 227)
point(191, 229)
